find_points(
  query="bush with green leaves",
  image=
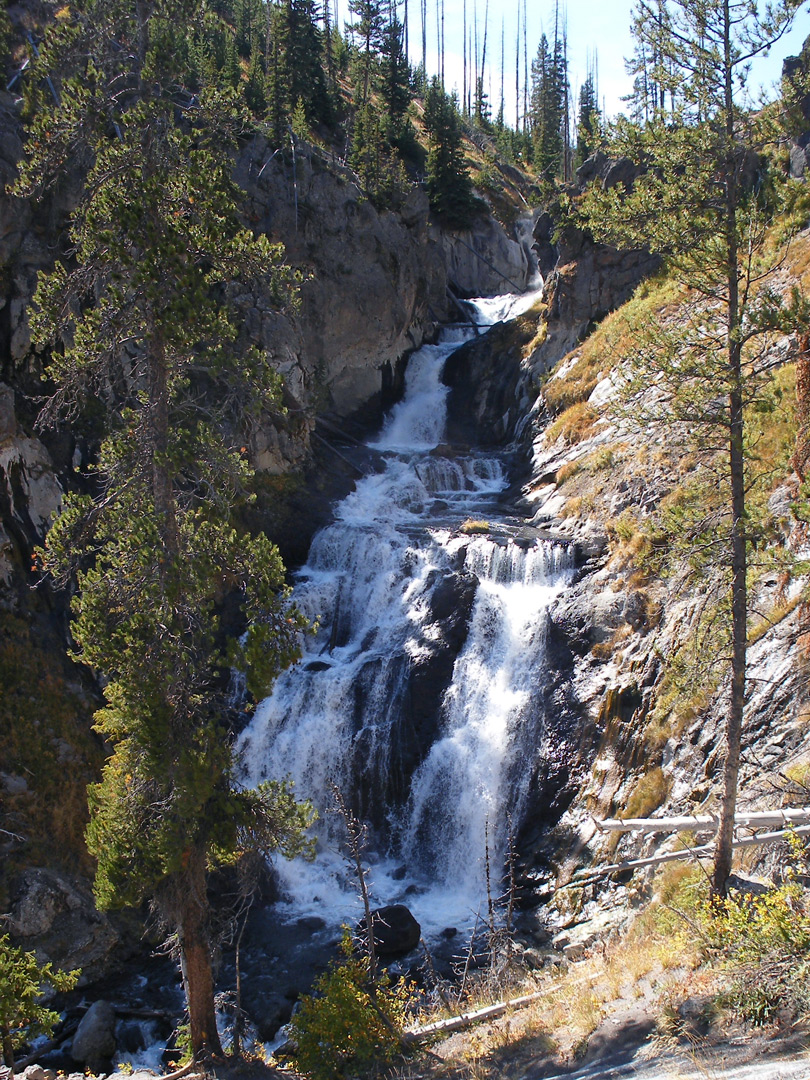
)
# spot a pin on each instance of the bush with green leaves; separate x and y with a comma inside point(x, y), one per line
point(23, 1015)
point(349, 1026)
point(764, 943)
point(760, 942)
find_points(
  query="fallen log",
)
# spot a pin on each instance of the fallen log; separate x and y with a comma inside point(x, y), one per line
point(759, 819)
point(487, 1012)
point(703, 851)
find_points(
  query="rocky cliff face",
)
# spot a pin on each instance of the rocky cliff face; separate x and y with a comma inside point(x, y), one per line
point(376, 287)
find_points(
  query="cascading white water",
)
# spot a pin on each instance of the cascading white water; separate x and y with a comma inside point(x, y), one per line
point(337, 717)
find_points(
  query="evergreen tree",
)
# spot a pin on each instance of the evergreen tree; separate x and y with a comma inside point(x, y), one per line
point(547, 112)
point(255, 85)
point(23, 1014)
point(694, 208)
point(588, 120)
point(448, 181)
point(368, 31)
point(232, 69)
point(249, 22)
point(136, 323)
point(276, 83)
point(304, 61)
point(395, 90)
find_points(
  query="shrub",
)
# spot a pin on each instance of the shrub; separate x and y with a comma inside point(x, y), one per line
point(471, 526)
point(22, 1014)
point(349, 1026)
point(765, 945)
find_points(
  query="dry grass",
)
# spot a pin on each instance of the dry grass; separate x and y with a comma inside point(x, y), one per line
point(649, 792)
point(567, 472)
point(610, 343)
point(773, 618)
point(576, 423)
point(471, 526)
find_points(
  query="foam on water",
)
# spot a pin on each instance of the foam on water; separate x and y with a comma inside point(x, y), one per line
point(369, 581)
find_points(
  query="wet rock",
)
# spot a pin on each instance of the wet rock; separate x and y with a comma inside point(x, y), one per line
point(451, 602)
point(396, 931)
point(94, 1042)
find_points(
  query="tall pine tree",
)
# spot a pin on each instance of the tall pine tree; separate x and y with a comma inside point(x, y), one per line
point(694, 206)
point(138, 327)
point(448, 180)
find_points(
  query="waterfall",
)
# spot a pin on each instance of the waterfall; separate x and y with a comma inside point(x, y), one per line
point(419, 693)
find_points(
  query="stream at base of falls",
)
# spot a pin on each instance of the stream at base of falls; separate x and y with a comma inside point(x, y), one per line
point(418, 696)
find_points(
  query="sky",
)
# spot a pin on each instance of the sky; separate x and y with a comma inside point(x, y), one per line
point(602, 26)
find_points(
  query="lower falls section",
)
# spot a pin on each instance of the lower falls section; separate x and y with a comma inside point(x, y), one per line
point(423, 695)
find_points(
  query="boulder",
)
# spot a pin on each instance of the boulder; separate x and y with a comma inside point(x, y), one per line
point(396, 931)
point(544, 246)
point(94, 1042)
point(622, 171)
point(55, 914)
point(800, 157)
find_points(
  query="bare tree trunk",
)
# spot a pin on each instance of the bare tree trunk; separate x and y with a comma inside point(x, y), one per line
point(801, 454)
point(464, 35)
point(8, 1050)
point(195, 955)
point(739, 554)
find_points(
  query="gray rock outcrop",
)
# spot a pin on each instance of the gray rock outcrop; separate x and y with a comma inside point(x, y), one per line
point(55, 915)
point(94, 1042)
point(484, 261)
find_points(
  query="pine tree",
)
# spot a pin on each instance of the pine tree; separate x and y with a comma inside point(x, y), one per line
point(304, 61)
point(448, 181)
point(255, 85)
point(588, 120)
point(694, 208)
point(136, 323)
point(547, 112)
point(23, 1013)
point(395, 90)
point(276, 84)
point(367, 30)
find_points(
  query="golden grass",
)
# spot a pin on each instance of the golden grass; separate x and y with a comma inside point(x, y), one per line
point(610, 342)
point(649, 792)
point(576, 423)
point(773, 618)
point(471, 527)
point(567, 471)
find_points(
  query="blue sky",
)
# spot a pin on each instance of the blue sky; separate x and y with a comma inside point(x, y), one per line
point(601, 25)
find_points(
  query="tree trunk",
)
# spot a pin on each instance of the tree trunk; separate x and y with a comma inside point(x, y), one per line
point(739, 567)
point(8, 1049)
point(195, 956)
point(162, 487)
point(801, 455)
